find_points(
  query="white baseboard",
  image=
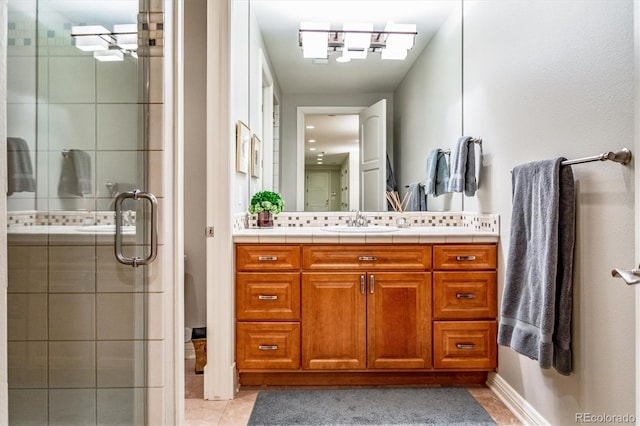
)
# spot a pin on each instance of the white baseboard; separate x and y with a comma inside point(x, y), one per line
point(514, 401)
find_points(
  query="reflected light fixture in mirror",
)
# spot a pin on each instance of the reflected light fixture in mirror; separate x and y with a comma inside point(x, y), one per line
point(107, 45)
point(356, 40)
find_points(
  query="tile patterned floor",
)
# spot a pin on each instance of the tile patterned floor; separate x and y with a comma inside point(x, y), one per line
point(199, 412)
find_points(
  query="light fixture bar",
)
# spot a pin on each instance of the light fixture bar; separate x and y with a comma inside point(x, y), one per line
point(394, 42)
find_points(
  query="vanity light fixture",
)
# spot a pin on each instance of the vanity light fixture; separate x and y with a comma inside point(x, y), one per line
point(311, 141)
point(356, 40)
point(312, 149)
point(107, 45)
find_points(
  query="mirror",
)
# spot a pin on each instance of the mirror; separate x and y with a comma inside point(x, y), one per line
point(423, 95)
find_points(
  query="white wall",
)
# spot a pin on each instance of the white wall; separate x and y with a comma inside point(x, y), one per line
point(428, 109)
point(195, 162)
point(240, 91)
point(549, 79)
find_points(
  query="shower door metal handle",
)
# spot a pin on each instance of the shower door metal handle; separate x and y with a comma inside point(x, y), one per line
point(136, 195)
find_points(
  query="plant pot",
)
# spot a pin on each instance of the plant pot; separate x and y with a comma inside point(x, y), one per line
point(265, 220)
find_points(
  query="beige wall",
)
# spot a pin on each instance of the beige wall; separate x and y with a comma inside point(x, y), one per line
point(195, 162)
point(549, 79)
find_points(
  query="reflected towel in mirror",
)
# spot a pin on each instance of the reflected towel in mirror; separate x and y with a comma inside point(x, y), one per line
point(19, 167)
point(437, 173)
point(75, 176)
point(417, 198)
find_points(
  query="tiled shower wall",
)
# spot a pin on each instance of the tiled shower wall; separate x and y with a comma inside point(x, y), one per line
point(86, 334)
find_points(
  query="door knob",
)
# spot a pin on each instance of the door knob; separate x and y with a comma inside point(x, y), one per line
point(630, 277)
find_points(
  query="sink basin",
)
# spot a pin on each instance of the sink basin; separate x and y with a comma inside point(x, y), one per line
point(359, 229)
point(105, 228)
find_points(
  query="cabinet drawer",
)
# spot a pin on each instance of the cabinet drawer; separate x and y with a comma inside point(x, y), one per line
point(263, 257)
point(366, 257)
point(464, 295)
point(268, 345)
point(272, 296)
point(464, 344)
point(465, 257)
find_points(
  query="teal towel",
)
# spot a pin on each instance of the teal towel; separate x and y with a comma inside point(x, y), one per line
point(437, 173)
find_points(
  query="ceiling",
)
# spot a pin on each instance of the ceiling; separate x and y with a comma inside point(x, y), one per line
point(279, 22)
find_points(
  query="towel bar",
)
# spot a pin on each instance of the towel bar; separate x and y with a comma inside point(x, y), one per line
point(623, 157)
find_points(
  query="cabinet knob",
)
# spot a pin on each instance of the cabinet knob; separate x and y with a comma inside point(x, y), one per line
point(267, 297)
point(465, 258)
point(268, 347)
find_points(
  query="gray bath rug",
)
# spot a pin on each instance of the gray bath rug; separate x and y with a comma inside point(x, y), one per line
point(379, 406)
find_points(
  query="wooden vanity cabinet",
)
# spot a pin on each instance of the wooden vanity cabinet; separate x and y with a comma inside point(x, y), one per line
point(340, 314)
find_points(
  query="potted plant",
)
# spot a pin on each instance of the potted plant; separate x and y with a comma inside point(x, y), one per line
point(266, 204)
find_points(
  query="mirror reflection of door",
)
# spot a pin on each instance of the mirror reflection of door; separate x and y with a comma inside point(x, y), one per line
point(317, 183)
point(332, 138)
point(373, 151)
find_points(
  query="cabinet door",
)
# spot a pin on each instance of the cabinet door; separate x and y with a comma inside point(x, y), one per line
point(399, 320)
point(334, 321)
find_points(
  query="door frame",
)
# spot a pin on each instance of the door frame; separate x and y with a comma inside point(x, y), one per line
point(636, 25)
point(301, 112)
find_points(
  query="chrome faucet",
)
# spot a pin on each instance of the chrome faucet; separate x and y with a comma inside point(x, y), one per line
point(358, 220)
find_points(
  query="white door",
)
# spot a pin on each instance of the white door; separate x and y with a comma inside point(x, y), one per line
point(373, 149)
point(317, 193)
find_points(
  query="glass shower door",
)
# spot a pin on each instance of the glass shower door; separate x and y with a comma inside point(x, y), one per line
point(81, 344)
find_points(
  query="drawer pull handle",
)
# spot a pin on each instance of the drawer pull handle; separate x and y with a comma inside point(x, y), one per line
point(267, 258)
point(268, 347)
point(367, 258)
point(465, 296)
point(465, 345)
point(465, 258)
point(267, 297)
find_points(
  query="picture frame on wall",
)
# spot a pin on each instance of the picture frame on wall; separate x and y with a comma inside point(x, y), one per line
point(243, 145)
point(256, 156)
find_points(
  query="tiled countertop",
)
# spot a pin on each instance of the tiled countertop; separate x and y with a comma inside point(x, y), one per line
point(414, 234)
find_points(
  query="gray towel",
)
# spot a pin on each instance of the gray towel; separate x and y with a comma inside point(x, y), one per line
point(75, 177)
point(463, 167)
point(437, 173)
point(19, 169)
point(417, 202)
point(537, 300)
